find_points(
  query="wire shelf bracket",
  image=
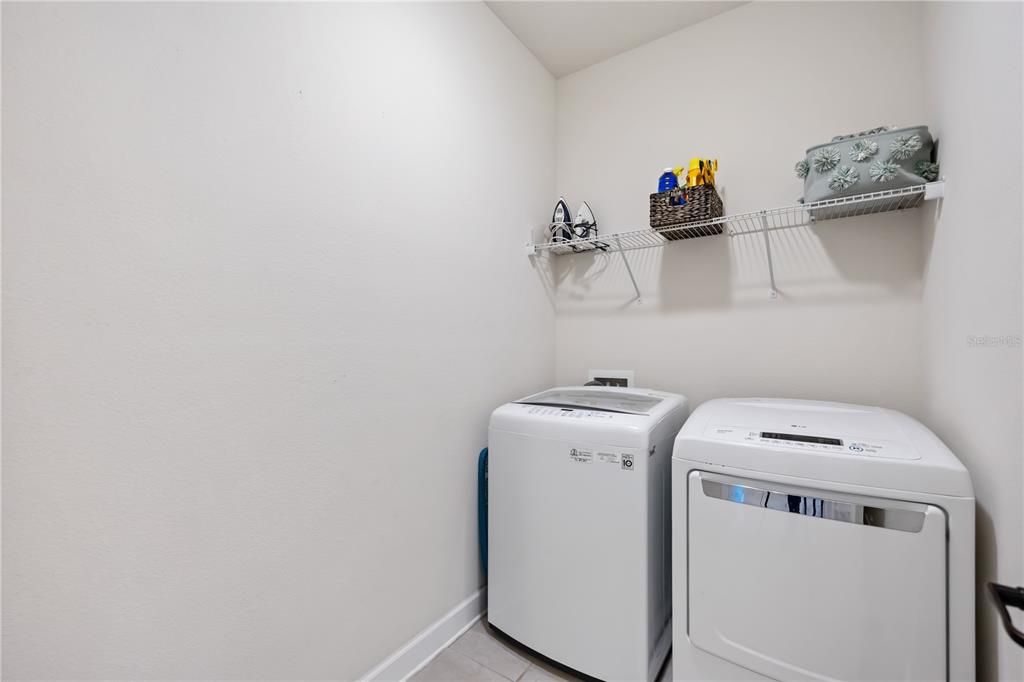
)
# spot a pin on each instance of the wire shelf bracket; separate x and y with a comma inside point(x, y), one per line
point(772, 291)
point(629, 270)
point(754, 223)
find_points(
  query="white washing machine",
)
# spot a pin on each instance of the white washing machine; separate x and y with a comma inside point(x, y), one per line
point(578, 526)
point(819, 541)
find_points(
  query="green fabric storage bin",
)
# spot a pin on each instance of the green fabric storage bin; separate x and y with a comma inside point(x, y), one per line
point(871, 161)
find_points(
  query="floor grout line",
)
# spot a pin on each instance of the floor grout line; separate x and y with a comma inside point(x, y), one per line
point(484, 665)
point(504, 677)
point(489, 669)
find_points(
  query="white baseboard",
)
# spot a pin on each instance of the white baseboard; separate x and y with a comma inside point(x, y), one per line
point(422, 648)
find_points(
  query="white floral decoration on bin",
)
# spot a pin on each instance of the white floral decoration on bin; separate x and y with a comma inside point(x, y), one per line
point(862, 150)
point(904, 146)
point(802, 168)
point(843, 178)
point(883, 171)
point(927, 170)
point(825, 159)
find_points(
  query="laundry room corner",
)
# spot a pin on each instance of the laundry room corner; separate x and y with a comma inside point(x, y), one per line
point(512, 341)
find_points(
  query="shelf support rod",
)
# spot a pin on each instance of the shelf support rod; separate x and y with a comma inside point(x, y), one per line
point(618, 242)
point(772, 292)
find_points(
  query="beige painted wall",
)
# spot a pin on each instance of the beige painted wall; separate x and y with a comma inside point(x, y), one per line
point(752, 87)
point(256, 315)
point(972, 293)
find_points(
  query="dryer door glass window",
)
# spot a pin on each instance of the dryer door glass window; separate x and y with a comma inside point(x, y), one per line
point(797, 583)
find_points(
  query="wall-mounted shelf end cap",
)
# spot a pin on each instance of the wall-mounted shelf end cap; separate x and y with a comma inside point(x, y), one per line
point(935, 190)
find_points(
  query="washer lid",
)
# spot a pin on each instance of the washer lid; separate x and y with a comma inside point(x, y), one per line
point(595, 398)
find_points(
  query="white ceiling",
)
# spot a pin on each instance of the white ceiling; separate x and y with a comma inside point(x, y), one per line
point(568, 36)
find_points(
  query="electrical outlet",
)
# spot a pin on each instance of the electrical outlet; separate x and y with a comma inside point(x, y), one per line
point(612, 377)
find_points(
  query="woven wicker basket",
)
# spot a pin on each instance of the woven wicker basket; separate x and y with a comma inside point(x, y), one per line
point(702, 203)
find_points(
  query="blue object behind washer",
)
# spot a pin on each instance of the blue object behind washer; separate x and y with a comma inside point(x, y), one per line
point(481, 480)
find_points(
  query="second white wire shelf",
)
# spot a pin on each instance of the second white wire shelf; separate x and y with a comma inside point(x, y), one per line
point(767, 220)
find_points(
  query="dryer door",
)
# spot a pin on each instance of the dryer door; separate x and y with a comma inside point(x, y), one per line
point(796, 583)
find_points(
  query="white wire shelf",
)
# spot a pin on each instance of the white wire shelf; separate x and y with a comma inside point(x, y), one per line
point(771, 219)
point(755, 222)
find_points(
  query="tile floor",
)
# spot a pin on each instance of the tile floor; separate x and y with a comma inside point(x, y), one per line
point(480, 656)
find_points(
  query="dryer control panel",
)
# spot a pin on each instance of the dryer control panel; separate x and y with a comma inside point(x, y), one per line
point(808, 442)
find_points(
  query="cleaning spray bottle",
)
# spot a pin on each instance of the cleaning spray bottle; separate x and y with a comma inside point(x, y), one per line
point(667, 181)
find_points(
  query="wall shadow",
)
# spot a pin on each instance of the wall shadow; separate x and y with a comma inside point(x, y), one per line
point(882, 249)
point(581, 270)
point(695, 273)
point(987, 627)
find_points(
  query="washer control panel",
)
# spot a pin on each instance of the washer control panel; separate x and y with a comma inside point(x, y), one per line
point(569, 412)
point(808, 442)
